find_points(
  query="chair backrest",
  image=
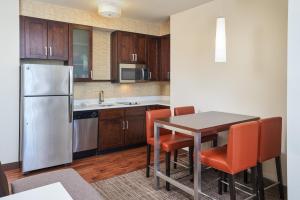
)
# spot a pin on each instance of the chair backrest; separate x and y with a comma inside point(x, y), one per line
point(242, 146)
point(151, 116)
point(4, 189)
point(184, 110)
point(269, 140)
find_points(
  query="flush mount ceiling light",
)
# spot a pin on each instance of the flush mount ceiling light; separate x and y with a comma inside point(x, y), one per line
point(109, 8)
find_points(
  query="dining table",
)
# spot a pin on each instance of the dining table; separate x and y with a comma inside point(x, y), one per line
point(196, 125)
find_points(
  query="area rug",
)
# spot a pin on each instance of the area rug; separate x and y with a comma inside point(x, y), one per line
point(135, 186)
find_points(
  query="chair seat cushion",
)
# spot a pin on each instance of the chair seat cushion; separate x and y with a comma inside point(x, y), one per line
point(216, 158)
point(173, 142)
point(75, 185)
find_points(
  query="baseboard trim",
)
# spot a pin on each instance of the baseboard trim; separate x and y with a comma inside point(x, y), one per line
point(11, 166)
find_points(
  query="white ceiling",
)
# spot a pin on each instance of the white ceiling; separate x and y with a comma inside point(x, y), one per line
point(150, 10)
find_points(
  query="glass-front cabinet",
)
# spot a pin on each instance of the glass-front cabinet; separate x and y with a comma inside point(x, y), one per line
point(81, 52)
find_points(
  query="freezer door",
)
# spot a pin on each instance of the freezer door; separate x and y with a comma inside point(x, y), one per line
point(39, 80)
point(47, 132)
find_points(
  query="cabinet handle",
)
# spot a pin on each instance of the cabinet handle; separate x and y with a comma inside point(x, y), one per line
point(50, 51)
point(91, 74)
point(150, 75)
point(136, 57)
point(127, 125)
point(169, 75)
point(123, 125)
point(132, 57)
point(46, 51)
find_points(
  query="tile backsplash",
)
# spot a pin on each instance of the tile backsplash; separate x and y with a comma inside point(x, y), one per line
point(91, 90)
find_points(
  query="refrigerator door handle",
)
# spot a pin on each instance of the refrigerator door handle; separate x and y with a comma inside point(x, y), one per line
point(70, 109)
point(71, 81)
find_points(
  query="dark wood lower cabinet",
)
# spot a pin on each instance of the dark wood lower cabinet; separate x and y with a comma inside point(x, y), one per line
point(135, 132)
point(121, 127)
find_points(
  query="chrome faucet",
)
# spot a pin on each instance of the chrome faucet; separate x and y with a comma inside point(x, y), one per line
point(101, 97)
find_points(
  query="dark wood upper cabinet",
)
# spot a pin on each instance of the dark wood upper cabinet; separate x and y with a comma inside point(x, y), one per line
point(153, 57)
point(43, 39)
point(58, 40)
point(164, 58)
point(127, 48)
point(140, 48)
point(80, 51)
point(36, 39)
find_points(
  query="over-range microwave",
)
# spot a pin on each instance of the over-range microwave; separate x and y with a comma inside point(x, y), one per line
point(133, 73)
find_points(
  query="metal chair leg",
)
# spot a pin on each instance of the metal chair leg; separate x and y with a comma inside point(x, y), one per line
point(168, 171)
point(148, 160)
point(260, 181)
point(254, 181)
point(246, 177)
point(175, 158)
point(191, 160)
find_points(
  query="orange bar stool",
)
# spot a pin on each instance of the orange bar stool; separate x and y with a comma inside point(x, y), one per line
point(169, 142)
point(208, 137)
point(269, 147)
point(239, 154)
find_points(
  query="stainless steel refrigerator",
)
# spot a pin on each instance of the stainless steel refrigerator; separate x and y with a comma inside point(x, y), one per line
point(46, 116)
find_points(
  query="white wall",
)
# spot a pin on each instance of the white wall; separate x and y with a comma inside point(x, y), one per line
point(293, 112)
point(253, 81)
point(9, 80)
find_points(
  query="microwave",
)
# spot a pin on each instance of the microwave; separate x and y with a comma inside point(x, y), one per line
point(133, 73)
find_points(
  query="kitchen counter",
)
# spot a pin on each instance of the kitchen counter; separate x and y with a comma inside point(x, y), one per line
point(92, 104)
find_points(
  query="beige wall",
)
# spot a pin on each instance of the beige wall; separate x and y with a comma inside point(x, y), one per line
point(253, 81)
point(101, 46)
point(9, 81)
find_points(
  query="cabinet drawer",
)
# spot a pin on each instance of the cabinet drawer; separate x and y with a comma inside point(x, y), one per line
point(135, 111)
point(111, 114)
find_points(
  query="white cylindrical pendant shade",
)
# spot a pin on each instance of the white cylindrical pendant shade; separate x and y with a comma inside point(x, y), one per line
point(220, 49)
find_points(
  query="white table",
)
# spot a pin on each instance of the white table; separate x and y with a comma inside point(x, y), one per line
point(49, 192)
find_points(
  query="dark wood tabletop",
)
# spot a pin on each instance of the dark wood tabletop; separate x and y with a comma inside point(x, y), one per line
point(206, 121)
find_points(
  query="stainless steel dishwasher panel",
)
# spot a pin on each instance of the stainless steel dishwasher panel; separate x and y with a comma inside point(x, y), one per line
point(85, 131)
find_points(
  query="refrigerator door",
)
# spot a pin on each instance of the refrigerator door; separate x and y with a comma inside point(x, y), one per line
point(47, 132)
point(40, 80)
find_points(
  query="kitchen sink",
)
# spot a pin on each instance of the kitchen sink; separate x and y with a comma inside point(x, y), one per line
point(87, 105)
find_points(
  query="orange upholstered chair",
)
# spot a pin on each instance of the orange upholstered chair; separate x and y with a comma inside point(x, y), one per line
point(169, 142)
point(269, 147)
point(213, 136)
point(239, 154)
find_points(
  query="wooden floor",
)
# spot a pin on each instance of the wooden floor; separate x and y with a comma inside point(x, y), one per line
point(99, 167)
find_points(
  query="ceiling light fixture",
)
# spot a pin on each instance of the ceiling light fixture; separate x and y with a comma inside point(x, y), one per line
point(110, 8)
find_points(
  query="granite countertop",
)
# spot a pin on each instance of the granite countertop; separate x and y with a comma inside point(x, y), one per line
point(92, 104)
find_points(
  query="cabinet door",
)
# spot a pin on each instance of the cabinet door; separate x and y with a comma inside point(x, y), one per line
point(35, 38)
point(165, 58)
point(80, 55)
point(58, 33)
point(152, 57)
point(140, 49)
point(126, 47)
point(111, 129)
point(135, 125)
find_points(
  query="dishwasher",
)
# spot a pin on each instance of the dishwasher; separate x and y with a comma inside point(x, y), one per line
point(85, 131)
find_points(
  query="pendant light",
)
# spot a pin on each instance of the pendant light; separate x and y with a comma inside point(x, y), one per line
point(220, 48)
point(220, 43)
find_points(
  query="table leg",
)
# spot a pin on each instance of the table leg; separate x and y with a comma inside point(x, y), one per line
point(156, 155)
point(197, 166)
